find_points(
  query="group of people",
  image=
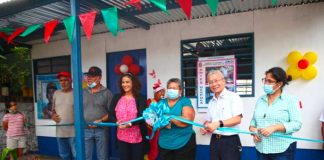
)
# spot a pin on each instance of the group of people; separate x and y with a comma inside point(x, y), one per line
point(275, 112)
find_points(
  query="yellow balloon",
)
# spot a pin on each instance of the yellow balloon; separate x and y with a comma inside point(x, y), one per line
point(294, 57)
point(309, 73)
point(294, 72)
point(311, 57)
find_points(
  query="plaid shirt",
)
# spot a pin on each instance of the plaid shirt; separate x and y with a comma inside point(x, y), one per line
point(284, 110)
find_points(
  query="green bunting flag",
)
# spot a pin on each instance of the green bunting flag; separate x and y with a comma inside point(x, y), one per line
point(7, 30)
point(69, 25)
point(31, 29)
point(213, 5)
point(110, 17)
point(160, 4)
point(274, 3)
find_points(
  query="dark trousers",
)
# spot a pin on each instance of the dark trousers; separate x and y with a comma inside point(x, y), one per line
point(289, 154)
point(187, 152)
point(225, 147)
point(131, 151)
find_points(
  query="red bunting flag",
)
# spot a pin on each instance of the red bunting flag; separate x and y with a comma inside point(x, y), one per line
point(136, 3)
point(4, 36)
point(87, 21)
point(186, 7)
point(49, 28)
point(16, 33)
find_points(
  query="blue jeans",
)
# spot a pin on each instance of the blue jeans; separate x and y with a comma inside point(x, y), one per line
point(289, 154)
point(66, 148)
point(96, 137)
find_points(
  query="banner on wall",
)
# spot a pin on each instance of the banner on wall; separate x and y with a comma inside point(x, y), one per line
point(46, 85)
point(226, 64)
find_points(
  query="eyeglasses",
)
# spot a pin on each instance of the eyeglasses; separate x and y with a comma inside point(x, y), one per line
point(268, 81)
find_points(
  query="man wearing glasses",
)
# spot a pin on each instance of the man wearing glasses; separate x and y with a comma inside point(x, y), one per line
point(224, 110)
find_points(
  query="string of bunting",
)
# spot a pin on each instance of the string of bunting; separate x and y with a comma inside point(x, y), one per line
point(110, 17)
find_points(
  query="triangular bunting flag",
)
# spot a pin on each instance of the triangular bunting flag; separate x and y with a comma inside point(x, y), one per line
point(160, 4)
point(87, 21)
point(7, 30)
point(186, 7)
point(213, 5)
point(31, 29)
point(4, 36)
point(69, 25)
point(16, 33)
point(49, 28)
point(110, 17)
point(136, 3)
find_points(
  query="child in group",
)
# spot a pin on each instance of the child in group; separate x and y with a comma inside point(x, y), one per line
point(13, 122)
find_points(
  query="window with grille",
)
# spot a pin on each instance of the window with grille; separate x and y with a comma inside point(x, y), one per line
point(52, 65)
point(241, 46)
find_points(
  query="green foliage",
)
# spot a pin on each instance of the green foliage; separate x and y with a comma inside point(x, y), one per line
point(16, 68)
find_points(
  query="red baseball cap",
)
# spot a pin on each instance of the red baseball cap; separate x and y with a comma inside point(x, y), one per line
point(64, 74)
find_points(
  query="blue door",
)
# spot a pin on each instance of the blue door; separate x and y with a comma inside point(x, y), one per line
point(114, 59)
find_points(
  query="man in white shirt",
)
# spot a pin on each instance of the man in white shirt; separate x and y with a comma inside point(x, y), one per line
point(224, 110)
point(322, 129)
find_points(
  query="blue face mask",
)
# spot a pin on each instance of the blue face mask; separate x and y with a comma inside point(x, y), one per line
point(268, 89)
point(172, 93)
point(92, 85)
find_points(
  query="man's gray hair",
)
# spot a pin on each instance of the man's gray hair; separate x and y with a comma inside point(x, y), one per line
point(217, 72)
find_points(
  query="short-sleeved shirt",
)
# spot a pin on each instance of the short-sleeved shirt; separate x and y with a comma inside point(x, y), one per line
point(322, 117)
point(176, 137)
point(15, 124)
point(125, 111)
point(226, 106)
point(96, 105)
point(284, 110)
point(63, 106)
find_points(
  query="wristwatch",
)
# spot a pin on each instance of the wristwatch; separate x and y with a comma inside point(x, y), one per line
point(221, 124)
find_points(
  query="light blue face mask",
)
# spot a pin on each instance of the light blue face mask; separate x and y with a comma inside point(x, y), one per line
point(172, 93)
point(268, 89)
point(92, 85)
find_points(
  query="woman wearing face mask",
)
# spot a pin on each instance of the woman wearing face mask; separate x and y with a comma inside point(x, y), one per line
point(275, 112)
point(129, 104)
point(177, 141)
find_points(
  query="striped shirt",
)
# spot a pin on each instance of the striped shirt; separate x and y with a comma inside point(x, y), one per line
point(15, 124)
point(284, 110)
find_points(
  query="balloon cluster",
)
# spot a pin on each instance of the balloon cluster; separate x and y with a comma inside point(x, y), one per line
point(302, 66)
point(127, 66)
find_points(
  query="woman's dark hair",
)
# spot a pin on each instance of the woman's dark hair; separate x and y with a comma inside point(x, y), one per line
point(7, 104)
point(175, 80)
point(136, 85)
point(279, 75)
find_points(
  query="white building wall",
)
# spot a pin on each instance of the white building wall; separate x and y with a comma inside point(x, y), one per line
point(277, 32)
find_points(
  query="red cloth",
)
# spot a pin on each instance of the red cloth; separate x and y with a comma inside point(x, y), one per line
point(154, 147)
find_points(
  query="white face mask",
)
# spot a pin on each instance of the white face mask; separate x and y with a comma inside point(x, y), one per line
point(92, 85)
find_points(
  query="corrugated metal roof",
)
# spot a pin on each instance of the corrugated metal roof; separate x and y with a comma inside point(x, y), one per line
point(149, 15)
